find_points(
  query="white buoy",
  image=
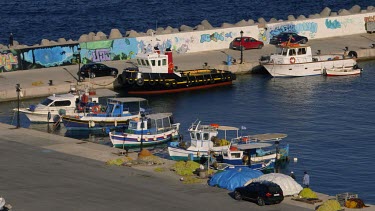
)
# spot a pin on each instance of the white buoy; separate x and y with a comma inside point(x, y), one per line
point(295, 159)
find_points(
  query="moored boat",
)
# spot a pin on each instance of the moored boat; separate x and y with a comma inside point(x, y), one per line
point(115, 114)
point(156, 74)
point(342, 71)
point(293, 60)
point(203, 141)
point(147, 131)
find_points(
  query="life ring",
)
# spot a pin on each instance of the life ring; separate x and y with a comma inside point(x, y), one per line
point(140, 81)
point(95, 109)
point(292, 60)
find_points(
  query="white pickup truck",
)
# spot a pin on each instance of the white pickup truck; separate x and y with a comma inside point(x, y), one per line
point(370, 27)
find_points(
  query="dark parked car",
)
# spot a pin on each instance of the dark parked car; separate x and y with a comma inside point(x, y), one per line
point(285, 36)
point(93, 70)
point(247, 43)
point(263, 192)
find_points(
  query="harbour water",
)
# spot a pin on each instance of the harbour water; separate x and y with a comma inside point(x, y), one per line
point(329, 122)
point(32, 21)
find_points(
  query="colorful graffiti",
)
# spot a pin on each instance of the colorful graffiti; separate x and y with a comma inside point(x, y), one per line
point(310, 27)
point(7, 60)
point(369, 19)
point(335, 24)
point(212, 37)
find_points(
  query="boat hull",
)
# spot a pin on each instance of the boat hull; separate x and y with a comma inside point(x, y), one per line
point(126, 140)
point(82, 123)
point(342, 72)
point(306, 69)
point(160, 83)
point(192, 153)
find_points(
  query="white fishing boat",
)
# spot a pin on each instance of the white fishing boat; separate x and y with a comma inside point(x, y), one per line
point(342, 71)
point(293, 60)
point(149, 130)
point(203, 140)
point(53, 107)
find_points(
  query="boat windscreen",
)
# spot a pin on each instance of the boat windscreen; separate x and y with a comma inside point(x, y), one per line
point(46, 102)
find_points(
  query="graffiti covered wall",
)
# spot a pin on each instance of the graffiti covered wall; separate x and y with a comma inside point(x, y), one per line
point(180, 43)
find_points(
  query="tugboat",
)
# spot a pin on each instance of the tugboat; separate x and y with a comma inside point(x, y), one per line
point(156, 74)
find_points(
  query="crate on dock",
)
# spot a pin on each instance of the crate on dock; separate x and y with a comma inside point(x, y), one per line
point(342, 197)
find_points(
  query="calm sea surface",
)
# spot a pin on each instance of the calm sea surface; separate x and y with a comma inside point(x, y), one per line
point(329, 121)
point(31, 21)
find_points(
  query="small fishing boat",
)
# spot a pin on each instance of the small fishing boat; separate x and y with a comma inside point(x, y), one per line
point(115, 114)
point(342, 71)
point(203, 141)
point(293, 60)
point(149, 130)
point(75, 102)
point(156, 74)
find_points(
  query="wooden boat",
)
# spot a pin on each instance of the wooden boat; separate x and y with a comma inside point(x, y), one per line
point(150, 130)
point(203, 141)
point(115, 114)
point(342, 71)
point(292, 60)
point(156, 74)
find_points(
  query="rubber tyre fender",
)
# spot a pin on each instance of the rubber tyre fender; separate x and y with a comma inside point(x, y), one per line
point(120, 80)
point(130, 80)
point(152, 81)
point(140, 81)
point(353, 54)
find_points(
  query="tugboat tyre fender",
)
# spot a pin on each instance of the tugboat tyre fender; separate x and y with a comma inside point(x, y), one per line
point(130, 80)
point(120, 80)
point(152, 82)
point(174, 83)
point(140, 81)
point(212, 80)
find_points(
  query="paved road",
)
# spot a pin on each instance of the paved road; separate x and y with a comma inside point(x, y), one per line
point(35, 177)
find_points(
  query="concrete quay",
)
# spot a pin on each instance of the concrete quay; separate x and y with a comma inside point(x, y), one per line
point(35, 83)
point(42, 171)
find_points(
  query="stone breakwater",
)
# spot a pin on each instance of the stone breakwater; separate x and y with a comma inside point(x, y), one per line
point(205, 25)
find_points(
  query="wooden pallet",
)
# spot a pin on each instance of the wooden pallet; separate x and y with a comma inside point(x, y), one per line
point(308, 200)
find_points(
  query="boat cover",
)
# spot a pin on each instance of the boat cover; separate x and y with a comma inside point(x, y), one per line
point(287, 184)
point(233, 178)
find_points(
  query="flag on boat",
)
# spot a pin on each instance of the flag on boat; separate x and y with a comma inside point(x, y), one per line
point(243, 128)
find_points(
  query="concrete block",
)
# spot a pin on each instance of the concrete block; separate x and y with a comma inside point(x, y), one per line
point(314, 16)
point(273, 20)
point(261, 20)
point(159, 30)
point(132, 33)
point(185, 28)
point(45, 42)
point(241, 23)
point(83, 38)
point(370, 8)
point(115, 34)
point(301, 17)
point(52, 42)
point(150, 32)
point(206, 24)
point(175, 30)
point(291, 18)
point(101, 35)
point(250, 22)
point(167, 31)
point(61, 41)
point(355, 9)
point(199, 28)
point(325, 12)
point(91, 36)
point(343, 12)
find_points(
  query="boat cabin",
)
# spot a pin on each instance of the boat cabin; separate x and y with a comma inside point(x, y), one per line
point(117, 107)
point(290, 54)
point(152, 124)
point(201, 135)
point(155, 62)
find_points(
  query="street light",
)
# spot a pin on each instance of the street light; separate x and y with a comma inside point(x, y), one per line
point(142, 126)
point(78, 57)
point(241, 48)
point(18, 90)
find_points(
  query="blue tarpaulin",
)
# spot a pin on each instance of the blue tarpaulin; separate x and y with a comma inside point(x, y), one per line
point(233, 178)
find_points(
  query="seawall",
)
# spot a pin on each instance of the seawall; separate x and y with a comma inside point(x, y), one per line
point(96, 48)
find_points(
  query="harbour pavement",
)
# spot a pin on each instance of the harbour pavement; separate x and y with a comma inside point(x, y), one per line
point(36, 82)
point(42, 171)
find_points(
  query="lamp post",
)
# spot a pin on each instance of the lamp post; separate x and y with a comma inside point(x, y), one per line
point(18, 90)
point(78, 57)
point(241, 48)
point(142, 126)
